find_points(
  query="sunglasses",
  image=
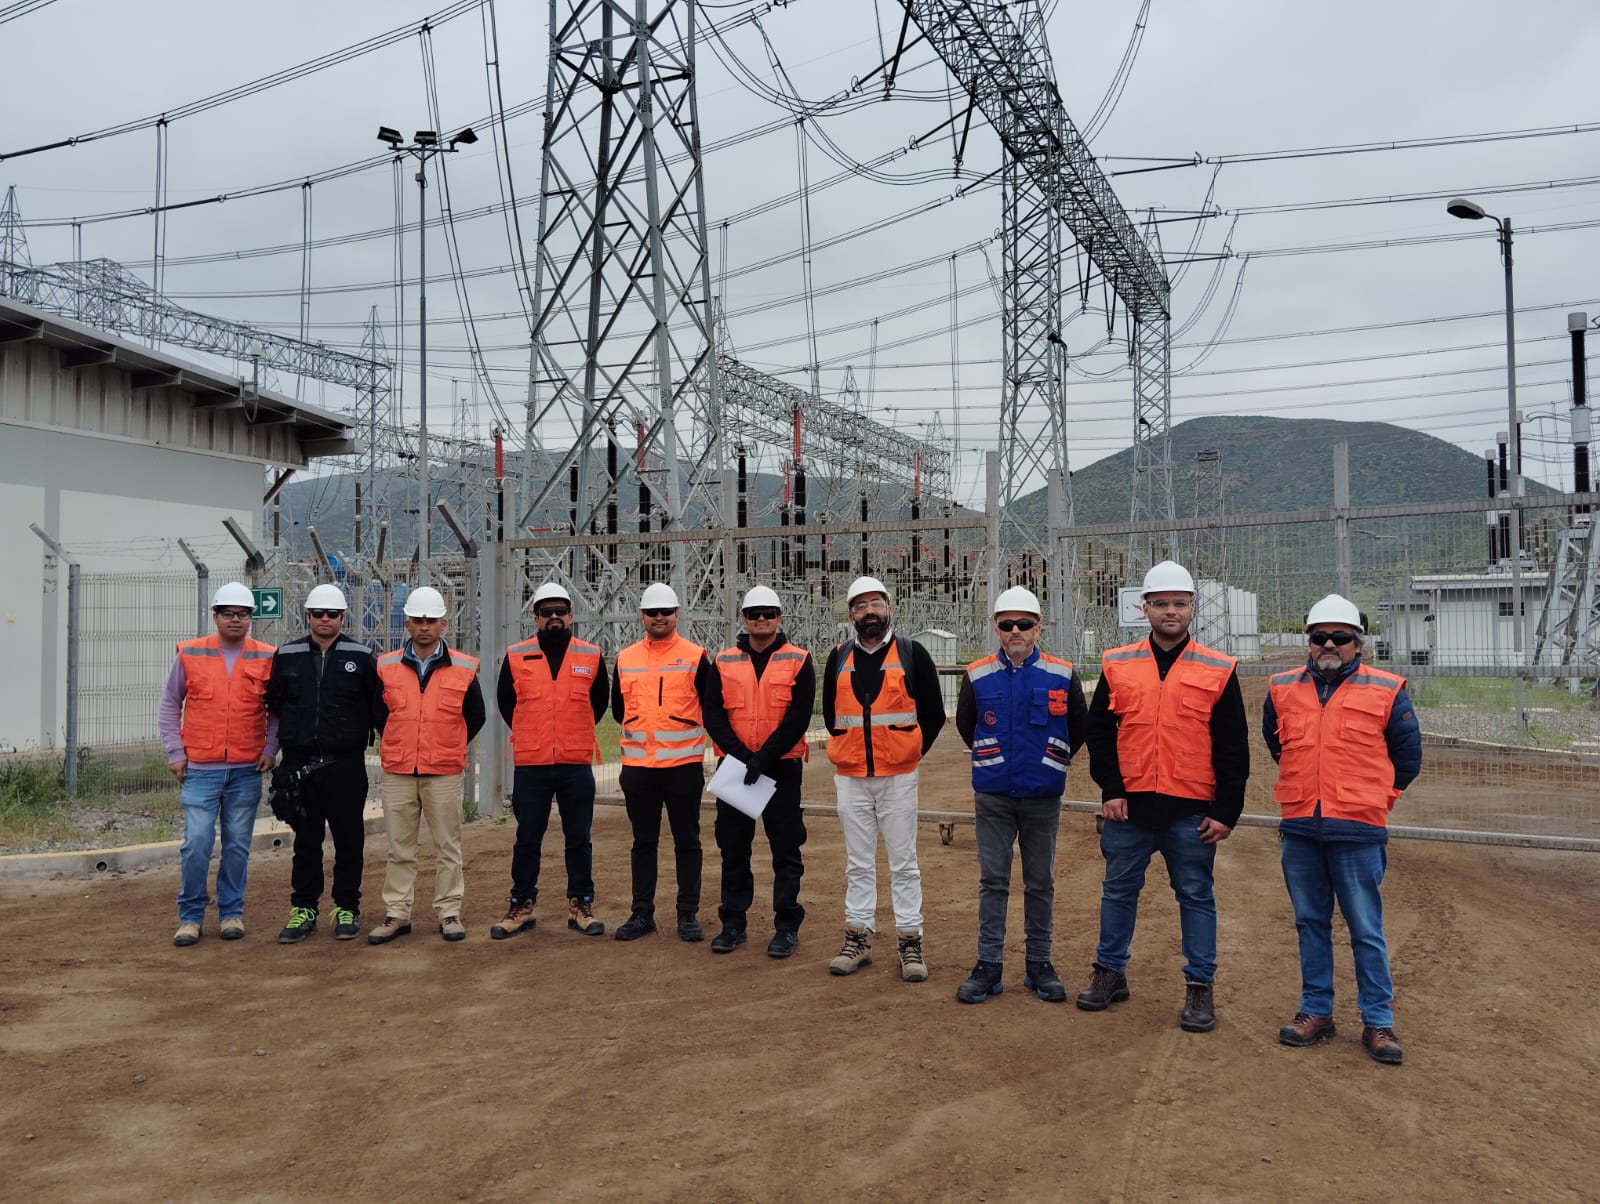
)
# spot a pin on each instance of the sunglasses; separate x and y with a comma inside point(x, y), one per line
point(232, 614)
point(326, 614)
point(1337, 638)
point(551, 612)
point(655, 612)
point(761, 612)
point(1016, 624)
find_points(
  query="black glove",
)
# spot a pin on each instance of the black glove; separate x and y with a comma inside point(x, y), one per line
point(754, 768)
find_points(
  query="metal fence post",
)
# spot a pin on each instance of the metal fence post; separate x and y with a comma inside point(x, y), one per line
point(493, 636)
point(202, 587)
point(1341, 516)
point(74, 635)
point(469, 624)
point(991, 506)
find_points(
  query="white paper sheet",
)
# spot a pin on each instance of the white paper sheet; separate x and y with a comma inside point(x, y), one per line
point(727, 783)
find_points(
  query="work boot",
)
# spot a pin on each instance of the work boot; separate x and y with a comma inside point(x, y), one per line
point(857, 951)
point(188, 934)
point(233, 928)
point(1382, 1045)
point(387, 931)
point(346, 924)
point(452, 929)
point(689, 927)
point(1043, 980)
point(783, 943)
point(1306, 1030)
point(729, 939)
point(912, 967)
point(580, 918)
point(635, 926)
point(983, 982)
point(1105, 988)
point(302, 923)
point(518, 918)
point(1199, 1008)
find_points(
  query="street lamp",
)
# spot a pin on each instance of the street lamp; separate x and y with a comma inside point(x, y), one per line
point(1472, 211)
point(424, 146)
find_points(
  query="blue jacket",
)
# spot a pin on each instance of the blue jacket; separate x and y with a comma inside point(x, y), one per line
point(1020, 740)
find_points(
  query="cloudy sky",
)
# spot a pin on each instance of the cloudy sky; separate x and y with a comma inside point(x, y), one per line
point(1293, 306)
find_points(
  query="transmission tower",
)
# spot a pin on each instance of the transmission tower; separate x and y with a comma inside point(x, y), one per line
point(1210, 553)
point(14, 258)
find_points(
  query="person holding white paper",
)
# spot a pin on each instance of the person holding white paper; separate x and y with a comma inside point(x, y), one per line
point(756, 709)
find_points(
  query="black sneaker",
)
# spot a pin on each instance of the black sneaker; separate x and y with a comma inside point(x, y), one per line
point(346, 924)
point(783, 943)
point(689, 928)
point(1043, 980)
point(983, 982)
point(302, 923)
point(725, 941)
point(635, 926)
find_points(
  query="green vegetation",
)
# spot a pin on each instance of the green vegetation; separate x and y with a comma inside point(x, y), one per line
point(125, 799)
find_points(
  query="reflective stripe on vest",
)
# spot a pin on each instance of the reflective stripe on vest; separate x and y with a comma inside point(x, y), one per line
point(884, 742)
point(554, 720)
point(426, 732)
point(1335, 752)
point(1020, 744)
point(224, 714)
point(661, 723)
point(757, 705)
point(1164, 725)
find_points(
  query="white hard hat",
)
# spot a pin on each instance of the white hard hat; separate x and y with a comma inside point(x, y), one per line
point(657, 596)
point(425, 602)
point(1017, 598)
point(548, 590)
point(760, 595)
point(326, 597)
point(1167, 577)
point(866, 585)
point(1336, 608)
point(233, 594)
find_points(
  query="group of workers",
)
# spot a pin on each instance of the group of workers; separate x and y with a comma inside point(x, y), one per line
point(1166, 734)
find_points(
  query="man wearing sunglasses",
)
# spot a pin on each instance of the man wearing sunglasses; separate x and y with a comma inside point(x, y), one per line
point(219, 741)
point(757, 709)
point(326, 695)
point(552, 691)
point(1347, 743)
point(1021, 713)
point(1169, 748)
point(661, 681)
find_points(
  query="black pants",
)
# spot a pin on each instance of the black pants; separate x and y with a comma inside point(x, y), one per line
point(786, 833)
point(336, 796)
point(532, 788)
point(677, 789)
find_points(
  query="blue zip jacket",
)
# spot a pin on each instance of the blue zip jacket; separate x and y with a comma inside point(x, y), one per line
point(1021, 742)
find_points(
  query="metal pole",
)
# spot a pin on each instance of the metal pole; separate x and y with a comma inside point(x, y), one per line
point(202, 586)
point(425, 509)
point(991, 505)
point(1515, 470)
point(1341, 516)
point(74, 635)
point(496, 638)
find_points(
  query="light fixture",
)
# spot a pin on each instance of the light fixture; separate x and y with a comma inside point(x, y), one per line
point(466, 137)
point(391, 136)
point(426, 138)
point(1461, 207)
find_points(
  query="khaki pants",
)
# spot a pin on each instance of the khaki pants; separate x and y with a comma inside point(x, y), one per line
point(407, 800)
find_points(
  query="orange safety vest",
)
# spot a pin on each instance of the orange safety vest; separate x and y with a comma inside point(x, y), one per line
point(224, 714)
point(1335, 753)
point(887, 729)
point(756, 705)
point(661, 724)
point(554, 720)
point(1164, 726)
point(426, 732)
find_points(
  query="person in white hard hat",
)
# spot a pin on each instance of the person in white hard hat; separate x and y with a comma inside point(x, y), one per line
point(661, 681)
point(757, 709)
point(219, 740)
point(1021, 712)
point(883, 710)
point(1347, 744)
point(1169, 748)
point(432, 708)
point(552, 690)
point(326, 694)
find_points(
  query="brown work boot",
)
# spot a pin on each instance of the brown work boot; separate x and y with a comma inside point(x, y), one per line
point(580, 918)
point(387, 931)
point(188, 934)
point(912, 967)
point(1105, 988)
point(857, 951)
point(1199, 1008)
point(1382, 1045)
point(519, 916)
point(1306, 1030)
point(452, 929)
point(233, 928)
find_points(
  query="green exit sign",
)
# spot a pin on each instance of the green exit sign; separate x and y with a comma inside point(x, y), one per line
point(269, 603)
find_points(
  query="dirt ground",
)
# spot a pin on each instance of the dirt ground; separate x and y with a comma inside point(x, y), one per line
point(555, 1063)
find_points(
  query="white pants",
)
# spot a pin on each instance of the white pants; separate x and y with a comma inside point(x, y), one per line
point(868, 807)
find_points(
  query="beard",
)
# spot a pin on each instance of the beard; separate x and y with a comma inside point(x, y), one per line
point(1329, 662)
point(554, 634)
point(871, 627)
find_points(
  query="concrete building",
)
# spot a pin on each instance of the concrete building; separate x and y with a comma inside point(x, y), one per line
point(1472, 616)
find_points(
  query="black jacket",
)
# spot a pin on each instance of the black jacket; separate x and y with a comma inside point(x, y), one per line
point(791, 728)
point(327, 704)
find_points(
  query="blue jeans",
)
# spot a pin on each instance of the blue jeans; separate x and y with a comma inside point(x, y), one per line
point(1317, 873)
point(1004, 822)
point(1127, 849)
point(235, 794)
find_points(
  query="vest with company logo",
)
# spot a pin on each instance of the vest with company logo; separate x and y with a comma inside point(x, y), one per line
point(1164, 725)
point(1020, 744)
point(756, 705)
point(554, 720)
point(426, 732)
point(661, 723)
point(882, 739)
point(224, 714)
point(1335, 752)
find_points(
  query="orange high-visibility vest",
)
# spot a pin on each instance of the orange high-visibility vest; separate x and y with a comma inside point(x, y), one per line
point(661, 722)
point(554, 720)
point(426, 732)
point(887, 741)
point(1164, 726)
point(224, 714)
point(1335, 753)
point(756, 705)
